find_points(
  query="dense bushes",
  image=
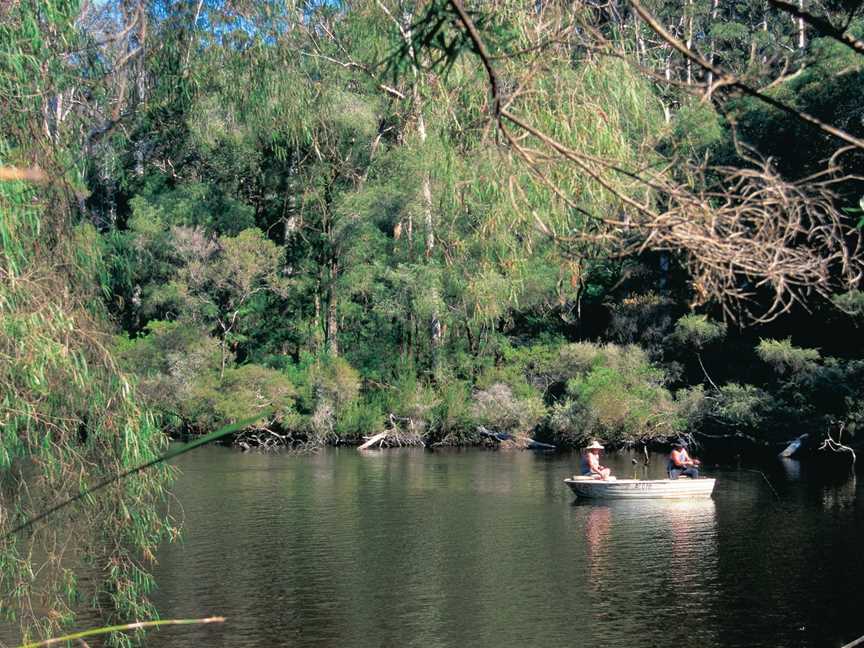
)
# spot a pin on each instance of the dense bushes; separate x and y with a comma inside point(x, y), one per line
point(568, 391)
point(619, 396)
point(562, 392)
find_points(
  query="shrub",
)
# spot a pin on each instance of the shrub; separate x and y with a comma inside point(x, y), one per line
point(785, 358)
point(742, 406)
point(541, 366)
point(168, 362)
point(334, 380)
point(697, 126)
point(643, 319)
point(451, 417)
point(692, 405)
point(697, 331)
point(362, 417)
point(240, 393)
point(851, 303)
point(411, 398)
point(622, 399)
point(499, 409)
point(334, 386)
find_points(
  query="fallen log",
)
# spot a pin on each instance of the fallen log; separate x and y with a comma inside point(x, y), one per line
point(794, 446)
point(371, 441)
point(539, 445)
point(486, 433)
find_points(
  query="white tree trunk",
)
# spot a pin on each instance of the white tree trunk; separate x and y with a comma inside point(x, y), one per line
point(801, 37)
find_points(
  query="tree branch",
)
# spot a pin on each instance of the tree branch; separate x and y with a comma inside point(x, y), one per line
point(821, 25)
point(734, 82)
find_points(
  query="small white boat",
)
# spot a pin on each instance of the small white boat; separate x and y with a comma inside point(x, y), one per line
point(683, 487)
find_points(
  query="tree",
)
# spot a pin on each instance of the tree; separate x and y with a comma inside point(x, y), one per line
point(738, 228)
point(70, 417)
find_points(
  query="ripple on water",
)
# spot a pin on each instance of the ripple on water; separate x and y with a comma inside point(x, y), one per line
point(410, 548)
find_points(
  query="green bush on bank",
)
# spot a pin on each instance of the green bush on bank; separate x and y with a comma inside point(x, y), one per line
point(619, 396)
point(697, 331)
point(566, 393)
point(498, 408)
point(744, 407)
point(787, 359)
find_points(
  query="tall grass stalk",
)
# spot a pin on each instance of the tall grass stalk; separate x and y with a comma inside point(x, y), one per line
point(140, 625)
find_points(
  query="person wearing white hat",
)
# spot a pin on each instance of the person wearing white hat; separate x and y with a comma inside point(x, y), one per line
point(591, 462)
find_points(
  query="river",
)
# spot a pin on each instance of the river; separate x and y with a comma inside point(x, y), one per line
point(477, 548)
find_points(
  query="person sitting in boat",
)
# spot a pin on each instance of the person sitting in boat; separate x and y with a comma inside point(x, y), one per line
point(681, 463)
point(591, 462)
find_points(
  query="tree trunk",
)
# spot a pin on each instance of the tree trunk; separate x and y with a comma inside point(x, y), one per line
point(224, 349)
point(801, 37)
point(332, 331)
point(290, 219)
point(689, 40)
point(317, 327)
point(427, 179)
point(641, 51)
point(714, 8)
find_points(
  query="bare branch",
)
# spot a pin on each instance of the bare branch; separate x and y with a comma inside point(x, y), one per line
point(821, 25)
point(732, 81)
point(747, 234)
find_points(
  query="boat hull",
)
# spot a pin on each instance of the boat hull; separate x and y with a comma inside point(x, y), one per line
point(642, 488)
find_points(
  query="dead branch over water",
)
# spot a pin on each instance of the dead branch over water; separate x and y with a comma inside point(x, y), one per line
point(743, 232)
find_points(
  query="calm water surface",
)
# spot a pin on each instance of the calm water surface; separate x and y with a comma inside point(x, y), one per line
point(474, 548)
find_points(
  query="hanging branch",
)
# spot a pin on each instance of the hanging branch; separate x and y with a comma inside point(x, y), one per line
point(138, 625)
point(749, 231)
point(821, 25)
point(727, 79)
point(176, 452)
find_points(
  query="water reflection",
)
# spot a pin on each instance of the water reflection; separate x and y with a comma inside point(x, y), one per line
point(411, 548)
point(840, 496)
point(596, 539)
point(791, 467)
point(648, 559)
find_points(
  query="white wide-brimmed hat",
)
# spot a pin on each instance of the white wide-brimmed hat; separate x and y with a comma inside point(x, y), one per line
point(594, 445)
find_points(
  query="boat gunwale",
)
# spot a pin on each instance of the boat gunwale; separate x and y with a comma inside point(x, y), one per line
point(605, 482)
point(641, 489)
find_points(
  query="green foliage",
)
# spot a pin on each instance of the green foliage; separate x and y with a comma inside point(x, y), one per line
point(499, 409)
point(697, 331)
point(274, 225)
point(697, 127)
point(70, 417)
point(743, 406)
point(242, 391)
point(451, 418)
point(334, 388)
point(643, 319)
point(786, 358)
point(851, 303)
point(359, 418)
point(194, 204)
point(620, 398)
point(180, 377)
